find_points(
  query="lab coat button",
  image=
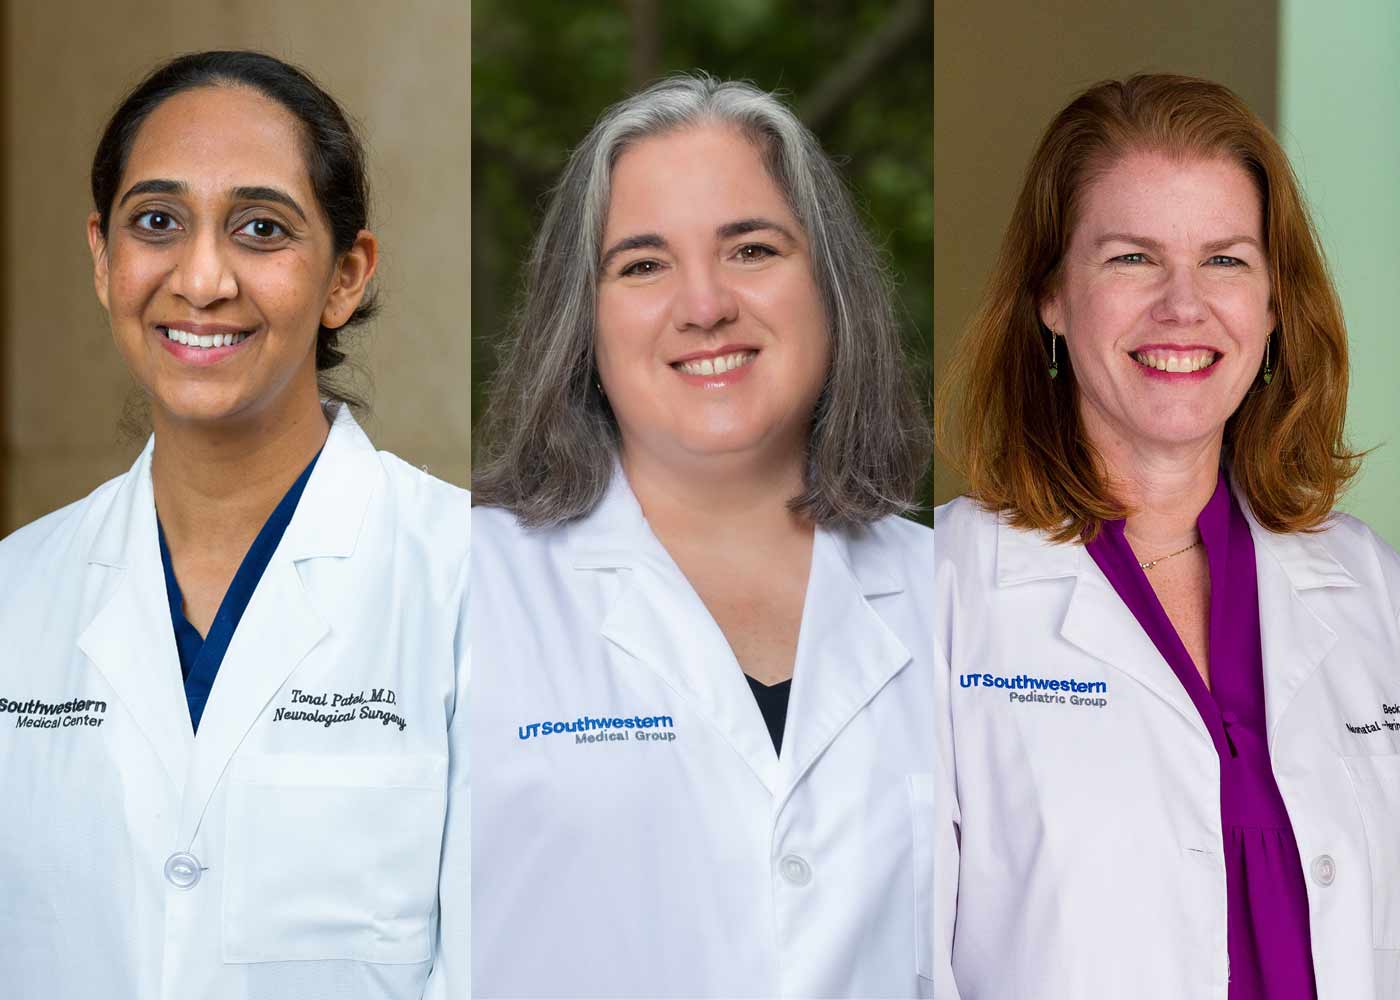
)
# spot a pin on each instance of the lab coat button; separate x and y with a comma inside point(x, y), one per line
point(795, 870)
point(182, 870)
point(1324, 870)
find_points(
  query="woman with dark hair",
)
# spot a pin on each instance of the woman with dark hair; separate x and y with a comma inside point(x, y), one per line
point(234, 756)
point(1168, 676)
point(701, 640)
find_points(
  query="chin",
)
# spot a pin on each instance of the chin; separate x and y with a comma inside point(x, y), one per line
point(200, 406)
point(722, 438)
point(1179, 432)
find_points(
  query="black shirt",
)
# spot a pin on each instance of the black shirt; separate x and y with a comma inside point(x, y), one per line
point(773, 703)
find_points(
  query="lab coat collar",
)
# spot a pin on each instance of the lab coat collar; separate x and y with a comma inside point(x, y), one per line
point(1027, 556)
point(282, 622)
point(131, 639)
point(845, 651)
point(339, 489)
point(1293, 638)
point(1095, 619)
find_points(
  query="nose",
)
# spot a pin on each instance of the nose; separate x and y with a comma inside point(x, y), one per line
point(203, 274)
point(1181, 302)
point(703, 300)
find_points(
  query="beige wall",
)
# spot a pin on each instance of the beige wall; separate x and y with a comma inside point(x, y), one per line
point(1002, 70)
point(402, 69)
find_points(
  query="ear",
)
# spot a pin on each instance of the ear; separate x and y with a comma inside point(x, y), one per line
point(351, 279)
point(97, 243)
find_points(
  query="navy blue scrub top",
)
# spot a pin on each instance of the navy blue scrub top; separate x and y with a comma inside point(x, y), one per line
point(201, 656)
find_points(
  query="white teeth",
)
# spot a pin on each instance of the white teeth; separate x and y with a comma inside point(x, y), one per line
point(717, 366)
point(206, 340)
point(1175, 362)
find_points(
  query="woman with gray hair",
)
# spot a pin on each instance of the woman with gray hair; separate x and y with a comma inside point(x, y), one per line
point(703, 657)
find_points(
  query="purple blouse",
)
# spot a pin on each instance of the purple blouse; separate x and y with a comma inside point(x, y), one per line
point(1269, 941)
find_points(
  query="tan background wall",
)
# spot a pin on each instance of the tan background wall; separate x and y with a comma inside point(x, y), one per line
point(1002, 70)
point(401, 69)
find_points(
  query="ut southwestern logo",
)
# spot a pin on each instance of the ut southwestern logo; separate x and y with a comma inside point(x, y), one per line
point(1042, 690)
point(606, 729)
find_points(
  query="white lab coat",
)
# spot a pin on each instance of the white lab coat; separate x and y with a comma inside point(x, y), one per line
point(1080, 851)
point(321, 849)
point(687, 858)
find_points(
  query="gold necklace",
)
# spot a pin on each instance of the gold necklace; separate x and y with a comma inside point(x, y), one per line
point(1153, 562)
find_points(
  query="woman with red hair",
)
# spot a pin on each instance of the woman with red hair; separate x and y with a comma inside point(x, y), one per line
point(1173, 767)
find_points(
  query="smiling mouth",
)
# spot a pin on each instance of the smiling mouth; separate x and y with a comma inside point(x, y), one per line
point(715, 366)
point(204, 341)
point(1183, 362)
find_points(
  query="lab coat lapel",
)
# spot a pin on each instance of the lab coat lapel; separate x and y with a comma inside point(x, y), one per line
point(130, 639)
point(1096, 620)
point(845, 652)
point(1293, 639)
point(660, 623)
point(282, 623)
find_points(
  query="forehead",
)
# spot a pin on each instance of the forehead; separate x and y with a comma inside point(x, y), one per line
point(218, 137)
point(1161, 196)
point(703, 175)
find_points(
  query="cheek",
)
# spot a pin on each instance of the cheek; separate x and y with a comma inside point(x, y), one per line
point(626, 325)
point(1103, 312)
point(133, 276)
point(1248, 312)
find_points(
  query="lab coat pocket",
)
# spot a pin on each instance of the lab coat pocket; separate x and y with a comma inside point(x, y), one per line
point(332, 856)
point(921, 808)
point(1376, 780)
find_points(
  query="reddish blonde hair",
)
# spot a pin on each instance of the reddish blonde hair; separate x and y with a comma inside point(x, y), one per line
point(1015, 434)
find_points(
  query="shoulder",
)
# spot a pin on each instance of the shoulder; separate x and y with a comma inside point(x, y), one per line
point(967, 530)
point(416, 492)
point(893, 541)
point(65, 533)
point(431, 521)
point(1363, 553)
point(499, 537)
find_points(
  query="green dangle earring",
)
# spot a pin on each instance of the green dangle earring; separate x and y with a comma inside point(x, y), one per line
point(1268, 371)
point(1054, 364)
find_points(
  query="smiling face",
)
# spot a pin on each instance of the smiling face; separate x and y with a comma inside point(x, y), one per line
point(218, 267)
point(1163, 298)
point(711, 336)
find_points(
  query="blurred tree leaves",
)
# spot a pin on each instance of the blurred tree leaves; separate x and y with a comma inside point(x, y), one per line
point(859, 71)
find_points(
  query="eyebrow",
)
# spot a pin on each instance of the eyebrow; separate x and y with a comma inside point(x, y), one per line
point(153, 187)
point(1156, 245)
point(251, 193)
point(731, 229)
point(655, 241)
point(262, 193)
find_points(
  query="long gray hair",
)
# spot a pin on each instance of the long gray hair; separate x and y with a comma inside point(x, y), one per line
point(549, 439)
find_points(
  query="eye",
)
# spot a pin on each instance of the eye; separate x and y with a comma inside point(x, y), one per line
point(1225, 261)
point(641, 269)
point(1130, 258)
point(752, 252)
point(155, 222)
point(265, 230)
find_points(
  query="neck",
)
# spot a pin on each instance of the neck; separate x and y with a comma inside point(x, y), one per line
point(216, 483)
point(727, 500)
point(1166, 488)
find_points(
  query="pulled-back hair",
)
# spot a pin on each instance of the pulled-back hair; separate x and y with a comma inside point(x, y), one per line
point(1016, 435)
point(549, 439)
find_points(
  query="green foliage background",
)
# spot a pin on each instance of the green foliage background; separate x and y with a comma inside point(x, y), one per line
point(543, 70)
